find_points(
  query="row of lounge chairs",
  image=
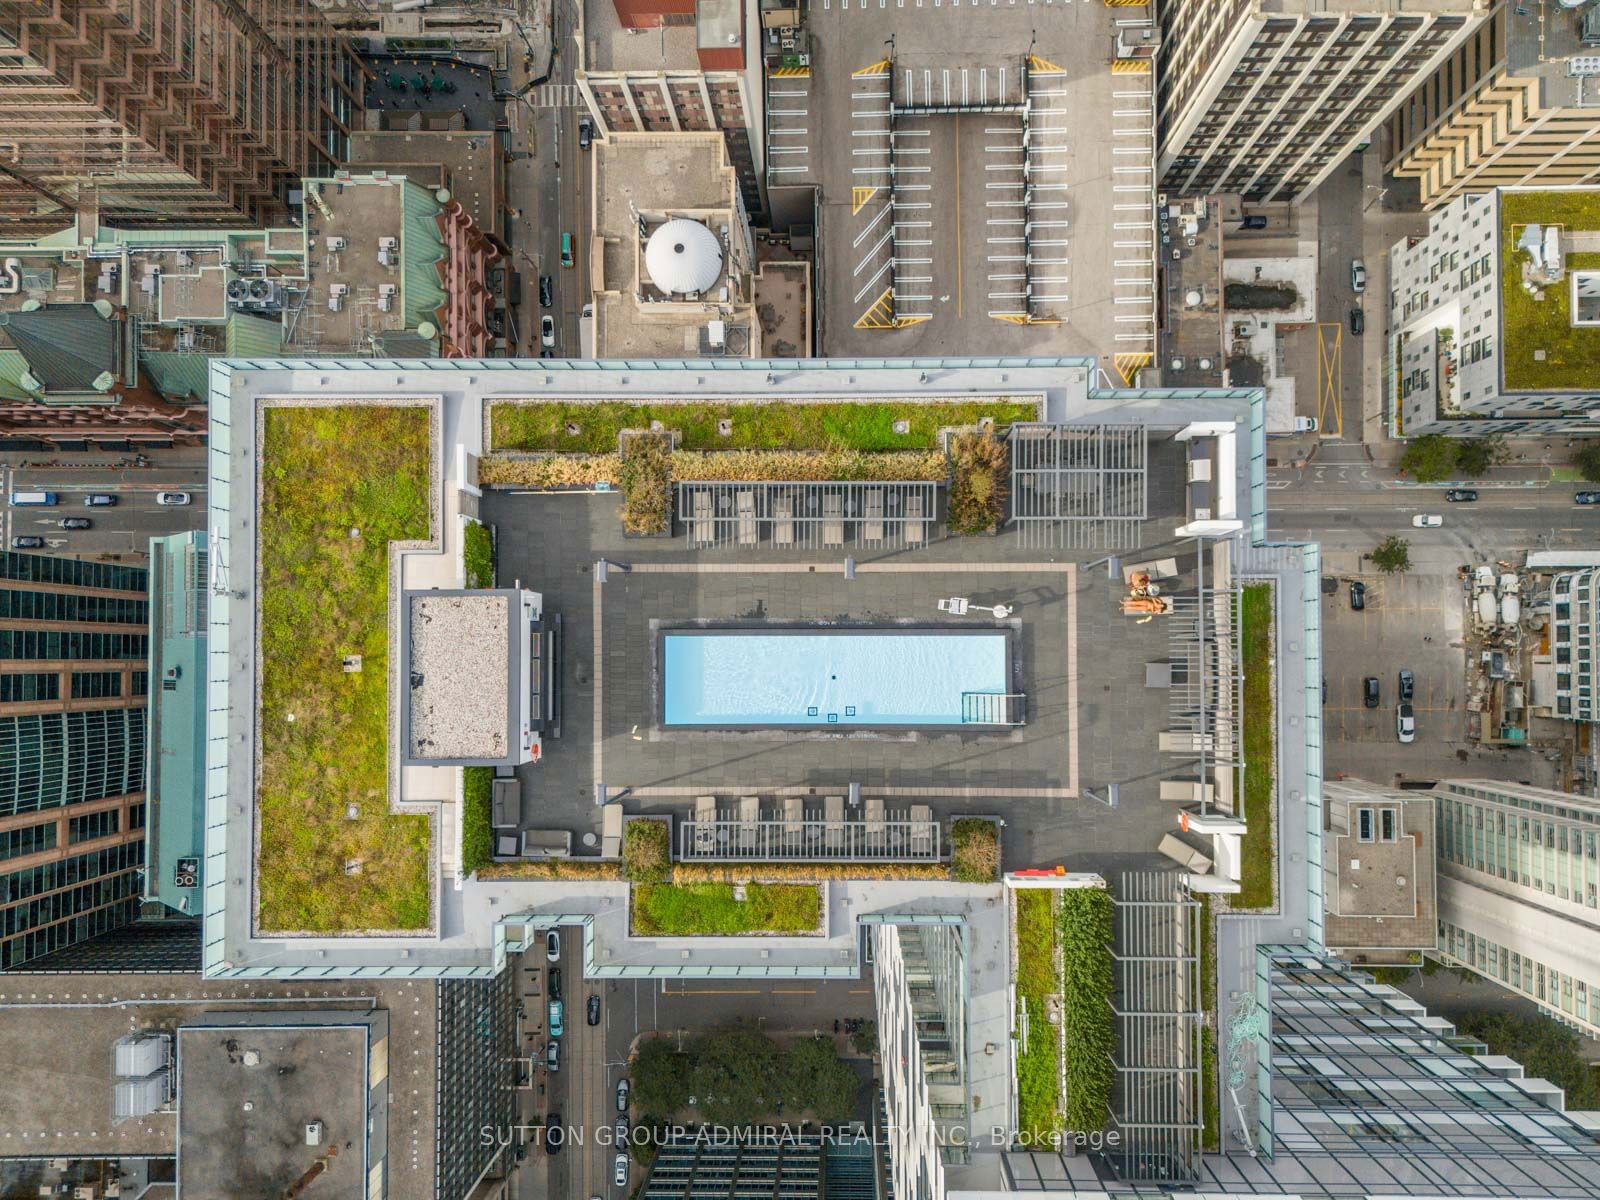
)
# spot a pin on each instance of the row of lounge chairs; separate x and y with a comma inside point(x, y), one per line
point(870, 526)
point(791, 832)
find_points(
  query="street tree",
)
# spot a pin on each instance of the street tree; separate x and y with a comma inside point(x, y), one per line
point(1429, 458)
point(1392, 554)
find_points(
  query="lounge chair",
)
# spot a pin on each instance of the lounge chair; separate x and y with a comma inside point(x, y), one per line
point(876, 841)
point(833, 519)
point(794, 812)
point(833, 816)
point(834, 525)
point(705, 824)
point(1185, 855)
point(783, 520)
point(747, 518)
point(916, 531)
point(872, 525)
point(749, 818)
point(702, 526)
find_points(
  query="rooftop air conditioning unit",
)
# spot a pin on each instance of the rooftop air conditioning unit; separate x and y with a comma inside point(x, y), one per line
point(386, 295)
point(336, 295)
point(335, 244)
point(388, 250)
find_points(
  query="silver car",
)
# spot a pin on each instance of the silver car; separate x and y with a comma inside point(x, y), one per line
point(621, 1177)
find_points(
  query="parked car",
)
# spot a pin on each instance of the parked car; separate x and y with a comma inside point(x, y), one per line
point(1358, 321)
point(1370, 689)
point(557, 1018)
point(1253, 222)
point(552, 1055)
point(555, 983)
point(1305, 424)
point(622, 1096)
point(1358, 595)
point(1408, 685)
point(172, 499)
point(619, 1132)
point(1405, 724)
point(552, 945)
point(594, 1010)
point(1427, 521)
point(27, 542)
point(1358, 275)
point(547, 330)
point(75, 523)
point(553, 1133)
point(620, 1178)
point(547, 291)
point(585, 132)
point(1461, 495)
point(99, 500)
point(1587, 498)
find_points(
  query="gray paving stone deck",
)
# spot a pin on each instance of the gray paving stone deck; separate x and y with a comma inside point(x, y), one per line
point(1091, 719)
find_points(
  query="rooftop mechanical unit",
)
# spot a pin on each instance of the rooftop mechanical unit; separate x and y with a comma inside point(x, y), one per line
point(254, 295)
point(386, 295)
point(388, 250)
point(335, 244)
point(336, 295)
point(138, 1055)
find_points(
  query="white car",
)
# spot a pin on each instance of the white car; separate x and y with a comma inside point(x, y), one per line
point(1358, 275)
point(621, 1176)
point(1405, 724)
point(1427, 521)
point(552, 945)
point(547, 330)
point(172, 499)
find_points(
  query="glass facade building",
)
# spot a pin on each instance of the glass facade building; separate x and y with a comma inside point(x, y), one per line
point(476, 1079)
point(73, 684)
point(1519, 892)
point(1575, 607)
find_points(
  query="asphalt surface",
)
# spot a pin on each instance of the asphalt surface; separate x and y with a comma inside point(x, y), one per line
point(548, 183)
point(594, 1058)
point(119, 533)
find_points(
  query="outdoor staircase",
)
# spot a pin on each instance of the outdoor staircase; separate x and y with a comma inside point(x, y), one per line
point(993, 708)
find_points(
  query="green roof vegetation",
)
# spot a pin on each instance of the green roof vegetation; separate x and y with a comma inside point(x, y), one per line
point(777, 426)
point(1087, 1035)
point(1256, 880)
point(1572, 354)
point(710, 910)
point(477, 835)
point(1039, 1062)
point(323, 732)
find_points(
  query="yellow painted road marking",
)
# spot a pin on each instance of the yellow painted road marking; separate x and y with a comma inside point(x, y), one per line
point(877, 68)
point(859, 196)
point(1044, 66)
point(1129, 365)
point(1130, 66)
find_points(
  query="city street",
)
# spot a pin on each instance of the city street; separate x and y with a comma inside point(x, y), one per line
point(548, 186)
point(593, 1059)
point(120, 532)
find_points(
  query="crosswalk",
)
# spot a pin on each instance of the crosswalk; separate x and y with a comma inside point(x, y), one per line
point(556, 95)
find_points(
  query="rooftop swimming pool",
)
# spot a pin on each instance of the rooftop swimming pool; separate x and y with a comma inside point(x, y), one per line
point(799, 678)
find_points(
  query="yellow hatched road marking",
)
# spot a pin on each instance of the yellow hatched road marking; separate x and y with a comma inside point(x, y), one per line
point(877, 68)
point(859, 197)
point(1129, 365)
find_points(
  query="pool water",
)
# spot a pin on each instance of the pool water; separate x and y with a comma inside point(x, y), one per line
point(806, 677)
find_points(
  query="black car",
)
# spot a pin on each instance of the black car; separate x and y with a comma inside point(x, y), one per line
point(547, 291)
point(1358, 595)
point(99, 500)
point(554, 1135)
point(1461, 495)
point(555, 983)
point(75, 523)
point(1370, 691)
point(1408, 686)
point(585, 132)
point(28, 542)
point(1254, 222)
point(594, 1010)
point(1358, 321)
point(1587, 498)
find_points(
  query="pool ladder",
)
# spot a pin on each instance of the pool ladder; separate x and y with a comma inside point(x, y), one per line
point(993, 708)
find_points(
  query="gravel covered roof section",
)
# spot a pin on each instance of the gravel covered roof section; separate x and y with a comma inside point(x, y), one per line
point(460, 654)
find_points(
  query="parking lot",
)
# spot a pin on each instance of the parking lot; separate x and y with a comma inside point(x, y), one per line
point(997, 193)
point(1393, 632)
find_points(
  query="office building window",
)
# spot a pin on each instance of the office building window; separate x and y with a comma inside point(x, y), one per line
point(96, 685)
point(30, 685)
point(93, 825)
point(15, 843)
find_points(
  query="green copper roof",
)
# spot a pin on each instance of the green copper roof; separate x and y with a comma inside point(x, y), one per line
point(177, 716)
point(178, 372)
point(421, 249)
point(254, 337)
point(68, 347)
